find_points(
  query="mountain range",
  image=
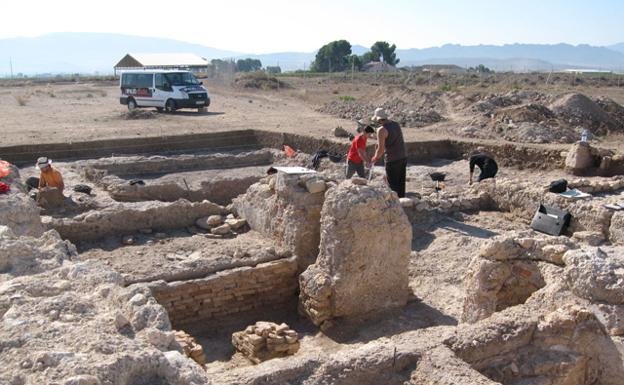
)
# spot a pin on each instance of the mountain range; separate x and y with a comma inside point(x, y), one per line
point(98, 52)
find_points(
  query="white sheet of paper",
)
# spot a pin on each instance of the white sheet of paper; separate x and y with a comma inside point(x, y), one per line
point(294, 170)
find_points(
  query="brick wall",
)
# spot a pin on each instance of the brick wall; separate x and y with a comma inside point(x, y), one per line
point(228, 293)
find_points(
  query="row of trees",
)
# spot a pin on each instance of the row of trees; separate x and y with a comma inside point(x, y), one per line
point(337, 56)
point(242, 65)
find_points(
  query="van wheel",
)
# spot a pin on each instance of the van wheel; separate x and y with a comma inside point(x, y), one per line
point(170, 106)
point(132, 105)
point(160, 109)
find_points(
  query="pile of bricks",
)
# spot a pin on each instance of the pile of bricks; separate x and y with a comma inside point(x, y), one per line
point(266, 340)
point(190, 347)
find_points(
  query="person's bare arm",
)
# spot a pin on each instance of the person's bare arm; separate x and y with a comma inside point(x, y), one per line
point(382, 134)
point(363, 156)
point(62, 183)
point(42, 182)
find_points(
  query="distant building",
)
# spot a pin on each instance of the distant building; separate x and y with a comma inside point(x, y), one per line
point(185, 61)
point(377, 66)
point(441, 68)
point(587, 71)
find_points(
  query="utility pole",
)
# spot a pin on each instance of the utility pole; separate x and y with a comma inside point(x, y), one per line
point(11, 66)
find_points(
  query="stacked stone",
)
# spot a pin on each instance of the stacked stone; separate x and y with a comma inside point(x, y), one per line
point(597, 185)
point(266, 340)
point(191, 348)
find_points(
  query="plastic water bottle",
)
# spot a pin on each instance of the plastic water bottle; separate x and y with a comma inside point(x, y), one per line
point(584, 136)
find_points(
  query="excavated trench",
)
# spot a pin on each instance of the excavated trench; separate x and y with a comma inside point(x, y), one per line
point(212, 286)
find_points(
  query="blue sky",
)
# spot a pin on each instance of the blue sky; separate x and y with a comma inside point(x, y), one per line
point(260, 26)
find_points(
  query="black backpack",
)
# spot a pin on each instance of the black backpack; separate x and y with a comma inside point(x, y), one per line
point(558, 186)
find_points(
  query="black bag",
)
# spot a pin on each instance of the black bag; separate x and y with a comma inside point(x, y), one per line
point(140, 182)
point(550, 220)
point(31, 183)
point(558, 186)
point(82, 188)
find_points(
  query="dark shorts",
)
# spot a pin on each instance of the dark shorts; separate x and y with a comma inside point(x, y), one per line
point(352, 168)
point(487, 173)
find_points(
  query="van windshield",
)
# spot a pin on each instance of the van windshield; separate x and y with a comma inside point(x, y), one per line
point(181, 79)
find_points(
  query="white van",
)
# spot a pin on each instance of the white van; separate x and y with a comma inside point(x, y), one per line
point(166, 90)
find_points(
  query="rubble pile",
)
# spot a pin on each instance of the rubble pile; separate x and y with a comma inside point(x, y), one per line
point(406, 114)
point(266, 340)
point(579, 110)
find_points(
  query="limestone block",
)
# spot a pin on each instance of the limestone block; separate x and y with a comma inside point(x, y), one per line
point(209, 222)
point(592, 238)
point(616, 229)
point(221, 230)
point(364, 255)
point(579, 159)
point(315, 186)
point(406, 202)
point(596, 275)
point(236, 223)
point(50, 197)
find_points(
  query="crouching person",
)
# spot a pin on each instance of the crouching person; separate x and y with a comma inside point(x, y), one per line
point(51, 184)
point(486, 164)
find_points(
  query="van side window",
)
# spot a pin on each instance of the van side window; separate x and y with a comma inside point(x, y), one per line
point(144, 80)
point(159, 81)
point(128, 80)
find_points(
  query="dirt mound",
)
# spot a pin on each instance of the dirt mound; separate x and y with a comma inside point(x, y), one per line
point(260, 81)
point(532, 112)
point(529, 132)
point(139, 115)
point(407, 115)
point(612, 108)
point(579, 110)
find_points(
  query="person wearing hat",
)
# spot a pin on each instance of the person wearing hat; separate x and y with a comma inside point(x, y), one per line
point(390, 144)
point(49, 176)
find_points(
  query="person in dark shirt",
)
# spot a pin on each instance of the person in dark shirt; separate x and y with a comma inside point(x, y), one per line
point(486, 164)
point(390, 144)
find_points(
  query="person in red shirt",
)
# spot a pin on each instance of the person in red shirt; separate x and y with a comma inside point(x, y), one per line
point(357, 153)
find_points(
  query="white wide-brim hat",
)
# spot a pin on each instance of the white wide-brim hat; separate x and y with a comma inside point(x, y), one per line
point(380, 114)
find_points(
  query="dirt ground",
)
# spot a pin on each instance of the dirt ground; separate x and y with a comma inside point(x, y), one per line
point(442, 245)
point(72, 115)
point(79, 112)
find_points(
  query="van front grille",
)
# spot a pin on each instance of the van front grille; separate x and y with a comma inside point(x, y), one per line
point(200, 96)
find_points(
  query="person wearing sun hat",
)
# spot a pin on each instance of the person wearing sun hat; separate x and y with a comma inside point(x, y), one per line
point(391, 145)
point(49, 176)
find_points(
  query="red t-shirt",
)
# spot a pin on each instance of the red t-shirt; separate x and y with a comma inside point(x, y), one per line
point(358, 142)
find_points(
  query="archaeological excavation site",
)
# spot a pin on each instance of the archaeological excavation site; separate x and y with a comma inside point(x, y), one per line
point(204, 259)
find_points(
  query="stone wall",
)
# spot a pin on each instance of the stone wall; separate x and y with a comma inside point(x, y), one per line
point(362, 266)
point(229, 293)
point(124, 218)
point(283, 209)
